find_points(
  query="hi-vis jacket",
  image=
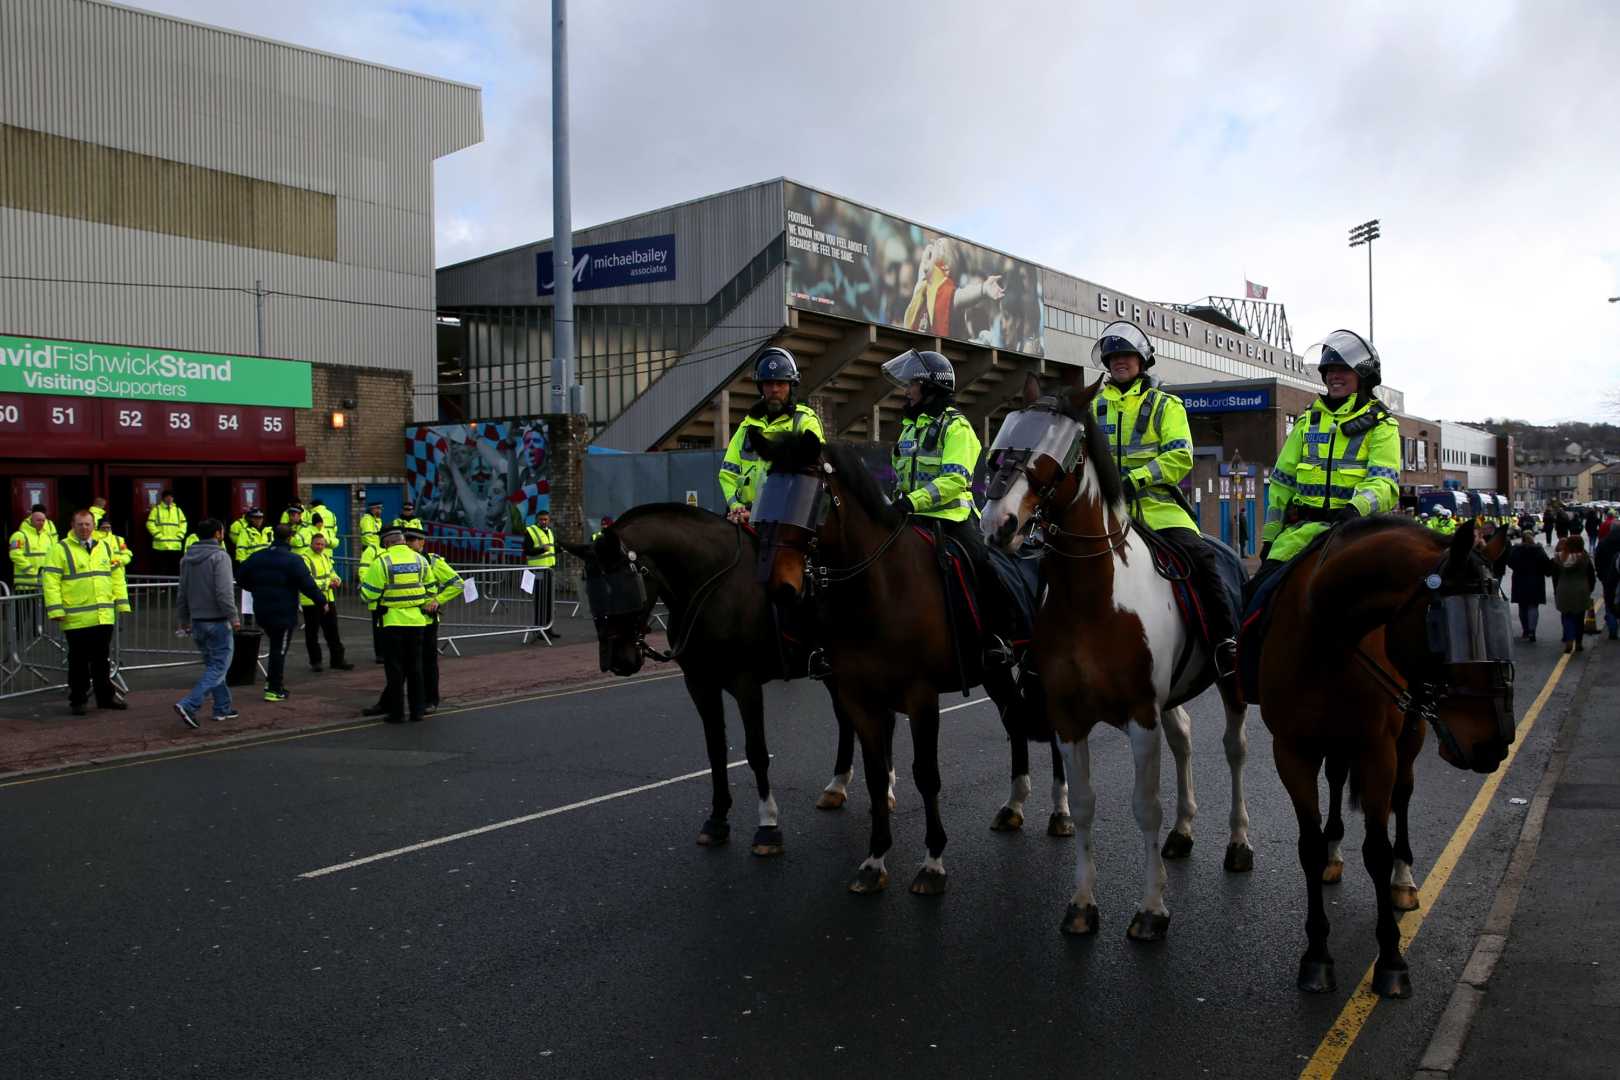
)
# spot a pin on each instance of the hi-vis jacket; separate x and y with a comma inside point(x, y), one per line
point(396, 583)
point(320, 568)
point(370, 530)
point(251, 541)
point(29, 546)
point(1152, 446)
point(741, 473)
point(167, 524)
point(934, 461)
point(541, 538)
point(1334, 458)
point(80, 586)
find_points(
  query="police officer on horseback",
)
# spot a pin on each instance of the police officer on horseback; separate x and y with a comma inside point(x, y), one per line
point(776, 374)
point(1342, 460)
point(933, 460)
point(1151, 442)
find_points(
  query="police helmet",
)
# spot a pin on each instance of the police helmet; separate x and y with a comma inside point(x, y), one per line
point(927, 367)
point(776, 364)
point(1348, 349)
point(1444, 511)
point(1122, 337)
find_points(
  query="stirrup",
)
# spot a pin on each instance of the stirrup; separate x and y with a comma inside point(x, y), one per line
point(998, 653)
point(1225, 653)
point(816, 665)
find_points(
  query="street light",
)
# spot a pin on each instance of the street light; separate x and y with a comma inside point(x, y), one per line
point(1366, 233)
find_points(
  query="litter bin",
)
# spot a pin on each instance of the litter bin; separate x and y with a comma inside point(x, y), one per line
point(244, 669)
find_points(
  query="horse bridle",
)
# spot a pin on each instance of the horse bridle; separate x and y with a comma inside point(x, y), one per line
point(623, 591)
point(1010, 462)
point(817, 574)
point(1420, 699)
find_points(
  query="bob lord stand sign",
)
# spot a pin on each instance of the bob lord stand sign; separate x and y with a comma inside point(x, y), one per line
point(140, 373)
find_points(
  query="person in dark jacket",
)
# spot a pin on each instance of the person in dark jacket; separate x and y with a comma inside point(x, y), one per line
point(275, 577)
point(1573, 578)
point(1531, 568)
point(1591, 527)
point(1607, 558)
point(1548, 518)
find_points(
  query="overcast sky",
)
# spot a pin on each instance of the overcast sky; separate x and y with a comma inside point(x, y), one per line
point(1125, 143)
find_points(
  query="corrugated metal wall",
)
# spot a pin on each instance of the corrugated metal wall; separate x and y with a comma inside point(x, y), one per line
point(188, 93)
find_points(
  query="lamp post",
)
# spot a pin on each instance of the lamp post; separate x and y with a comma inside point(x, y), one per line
point(1366, 233)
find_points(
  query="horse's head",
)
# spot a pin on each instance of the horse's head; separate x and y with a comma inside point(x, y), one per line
point(1456, 651)
point(788, 510)
point(1037, 461)
point(621, 592)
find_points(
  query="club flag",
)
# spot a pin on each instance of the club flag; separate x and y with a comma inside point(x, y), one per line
point(1253, 291)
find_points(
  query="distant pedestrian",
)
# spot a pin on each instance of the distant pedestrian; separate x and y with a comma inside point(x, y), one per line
point(1531, 568)
point(85, 597)
point(1606, 526)
point(1243, 530)
point(396, 583)
point(1573, 589)
point(1548, 519)
point(1607, 558)
point(206, 607)
point(275, 577)
point(1591, 526)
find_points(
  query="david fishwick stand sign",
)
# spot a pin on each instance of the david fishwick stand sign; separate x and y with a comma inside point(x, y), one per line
point(80, 369)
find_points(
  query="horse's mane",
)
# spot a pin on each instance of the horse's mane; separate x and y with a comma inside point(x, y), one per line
point(1376, 523)
point(1102, 459)
point(859, 482)
point(670, 508)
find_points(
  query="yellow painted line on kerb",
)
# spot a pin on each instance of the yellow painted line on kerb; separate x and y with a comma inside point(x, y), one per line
point(253, 744)
point(1335, 1045)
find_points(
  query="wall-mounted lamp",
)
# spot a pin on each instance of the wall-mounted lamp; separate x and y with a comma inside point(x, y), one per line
point(339, 420)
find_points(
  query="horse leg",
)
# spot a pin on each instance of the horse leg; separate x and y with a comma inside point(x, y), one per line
point(1010, 817)
point(1338, 771)
point(1297, 769)
point(1403, 891)
point(712, 710)
point(1061, 824)
point(1178, 733)
point(1152, 919)
point(875, 730)
point(1081, 917)
point(888, 755)
point(930, 880)
point(1390, 976)
point(1239, 855)
point(836, 793)
point(751, 705)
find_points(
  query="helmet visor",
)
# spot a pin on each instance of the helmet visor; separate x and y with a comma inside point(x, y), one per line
point(1120, 337)
point(1339, 349)
point(905, 369)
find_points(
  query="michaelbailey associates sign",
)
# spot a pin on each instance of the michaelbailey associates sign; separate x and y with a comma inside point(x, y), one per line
point(139, 373)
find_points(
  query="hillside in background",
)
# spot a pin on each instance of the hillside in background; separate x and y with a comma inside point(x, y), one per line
point(1549, 440)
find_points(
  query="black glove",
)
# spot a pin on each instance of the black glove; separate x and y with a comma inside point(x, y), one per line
point(1129, 487)
point(1265, 550)
point(1346, 513)
point(900, 504)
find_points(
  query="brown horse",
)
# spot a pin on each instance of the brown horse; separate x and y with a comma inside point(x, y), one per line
point(1381, 627)
point(886, 625)
point(1109, 643)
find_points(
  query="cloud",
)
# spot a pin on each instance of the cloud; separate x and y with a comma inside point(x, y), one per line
point(1155, 151)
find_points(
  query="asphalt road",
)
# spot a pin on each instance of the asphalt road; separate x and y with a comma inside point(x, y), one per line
point(154, 923)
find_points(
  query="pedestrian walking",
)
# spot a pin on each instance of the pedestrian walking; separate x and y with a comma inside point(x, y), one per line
point(1574, 577)
point(1243, 530)
point(1606, 526)
point(206, 607)
point(1531, 568)
point(1607, 558)
point(1591, 527)
point(85, 598)
point(322, 618)
point(444, 585)
point(396, 583)
point(276, 577)
point(1548, 520)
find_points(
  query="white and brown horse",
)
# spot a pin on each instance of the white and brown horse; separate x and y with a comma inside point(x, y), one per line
point(1107, 640)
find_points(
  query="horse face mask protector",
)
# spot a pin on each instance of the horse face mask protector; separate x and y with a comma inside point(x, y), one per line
point(790, 499)
point(1470, 637)
point(617, 592)
point(1037, 431)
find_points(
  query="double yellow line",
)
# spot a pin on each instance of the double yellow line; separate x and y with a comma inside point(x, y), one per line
point(1330, 1053)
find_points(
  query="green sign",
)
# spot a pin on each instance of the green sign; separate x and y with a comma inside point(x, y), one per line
point(80, 369)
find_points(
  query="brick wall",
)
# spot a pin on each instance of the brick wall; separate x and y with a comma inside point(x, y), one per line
point(370, 447)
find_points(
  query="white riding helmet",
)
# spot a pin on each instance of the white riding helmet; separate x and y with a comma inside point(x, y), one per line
point(1444, 511)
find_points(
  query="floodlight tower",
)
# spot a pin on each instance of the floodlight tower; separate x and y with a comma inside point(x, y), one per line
point(1366, 233)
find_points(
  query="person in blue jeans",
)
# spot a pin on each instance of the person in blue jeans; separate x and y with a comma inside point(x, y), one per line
point(206, 606)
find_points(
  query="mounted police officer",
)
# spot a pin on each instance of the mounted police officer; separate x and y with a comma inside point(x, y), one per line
point(933, 460)
point(776, 374)
point(1342, 460)
point(1152, 448)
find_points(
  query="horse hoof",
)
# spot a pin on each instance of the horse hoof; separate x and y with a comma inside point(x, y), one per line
point(1239, 859)
point(1404, 897)
point(1007, 820)
point(891, 804)
point(1079, 921)
point(1060, 825)
point(1316, 976)
point(1392, 982)
point(928, 883)
point(1333, 873)
point(831, 800)
point(1146, 926)
point(869, 879)
point(1178, 845)
point(714, 833)
point(767, 840)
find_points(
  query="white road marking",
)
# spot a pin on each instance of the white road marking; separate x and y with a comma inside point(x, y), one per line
point(525, 819)
point(964, 705)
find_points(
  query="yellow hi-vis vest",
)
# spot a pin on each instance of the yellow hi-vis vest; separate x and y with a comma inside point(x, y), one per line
point(29, 546)
point(1151, 442)
point(252, 541)
point(397, 583)
point(742, 472)
point(320, 568)
point(80, 586)
point(370, 531)
point(934, 460)
point(1333, 458)
point(539, 537)
point(167, 524)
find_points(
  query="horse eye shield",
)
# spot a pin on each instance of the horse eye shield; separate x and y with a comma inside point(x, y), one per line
point(618, 592)
point(1470, 628)
point(796, 499)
